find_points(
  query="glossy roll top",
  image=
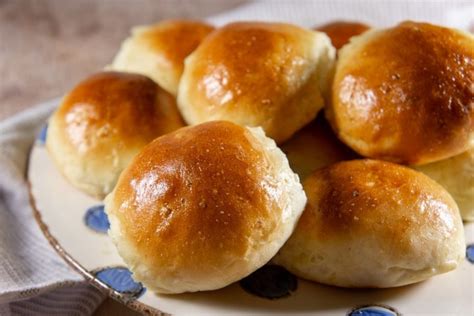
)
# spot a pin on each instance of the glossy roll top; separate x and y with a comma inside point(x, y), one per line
point(103, 122)
point(158, 51)
point(271, 75)
point(203, 207)
point(405, 94)
point(370, 223)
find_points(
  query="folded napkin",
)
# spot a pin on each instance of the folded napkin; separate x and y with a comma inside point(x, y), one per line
point(33, 279)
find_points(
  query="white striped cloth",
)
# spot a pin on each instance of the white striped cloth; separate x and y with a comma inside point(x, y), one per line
point(76, 299)
point(378, 13)
point(33, 279)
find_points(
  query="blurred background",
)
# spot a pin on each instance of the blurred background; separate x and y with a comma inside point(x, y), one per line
point(46, 46)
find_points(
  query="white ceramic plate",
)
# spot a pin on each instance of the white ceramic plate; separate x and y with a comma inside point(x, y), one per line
point(75, 225)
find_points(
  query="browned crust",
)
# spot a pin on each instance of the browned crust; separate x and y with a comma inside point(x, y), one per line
point(115, 110)
point(254, 74)
point(199, 194)
point(406, 94)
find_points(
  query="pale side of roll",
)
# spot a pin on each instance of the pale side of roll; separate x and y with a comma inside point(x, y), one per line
point(374, 224)
point(340, 32)
point(405, 94)
point(456, 175)
point(313, 147)
point(203, 207)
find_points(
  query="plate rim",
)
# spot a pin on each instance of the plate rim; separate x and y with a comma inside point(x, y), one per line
point(135, 304)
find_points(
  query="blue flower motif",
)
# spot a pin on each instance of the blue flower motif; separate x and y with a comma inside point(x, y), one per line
point(42, 135)
point(120, 279)
point(373, 310)
point(270, 281)
point(470, 253)
point(96, 219)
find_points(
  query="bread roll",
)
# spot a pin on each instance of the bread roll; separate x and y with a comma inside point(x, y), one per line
point(102, 123)
point(158, 51)
point(456, 175)
point(271, 75)
point(405, 94)
point(203, 207)
point(374, 224)
point(340, 32)
point(313, 147)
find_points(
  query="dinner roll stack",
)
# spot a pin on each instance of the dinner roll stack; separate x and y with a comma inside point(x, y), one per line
point(271, 75)
point(340, 32)
point(374, 224)
point(456, 175)
point(102, 123)
point(405, 94)
point(158, 51)
point(313, 147)
point(203, 207)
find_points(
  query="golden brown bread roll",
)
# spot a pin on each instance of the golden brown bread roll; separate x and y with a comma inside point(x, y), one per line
point(340, 32)
point(103, 122)
point(271, 75)
point(158, 51)
point(374, 224)
point(313, 147)
point(405, 94)
point(203, 207)
point(456, 175)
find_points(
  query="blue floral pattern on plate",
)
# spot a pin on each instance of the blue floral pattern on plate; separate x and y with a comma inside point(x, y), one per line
point(96, 219)
point(120, 279)
point(470, 253)
point(373, 310)
point(42, 135)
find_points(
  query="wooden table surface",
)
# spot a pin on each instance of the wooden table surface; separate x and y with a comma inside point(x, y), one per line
point(46, 46)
